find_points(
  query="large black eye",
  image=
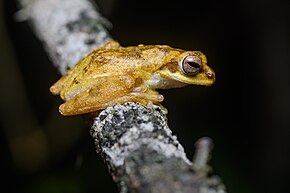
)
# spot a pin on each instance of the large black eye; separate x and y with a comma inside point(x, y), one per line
point(190, 65)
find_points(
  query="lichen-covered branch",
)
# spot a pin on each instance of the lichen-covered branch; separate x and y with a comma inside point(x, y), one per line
point(140, 150)
point(68, 29)
point(143, 155)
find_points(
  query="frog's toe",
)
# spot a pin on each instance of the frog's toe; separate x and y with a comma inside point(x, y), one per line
point(55, 89)
point(65, 109)
point(149, 105)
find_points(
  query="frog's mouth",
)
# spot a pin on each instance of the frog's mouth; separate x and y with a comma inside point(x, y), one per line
point(198, 79)
point(206, 77)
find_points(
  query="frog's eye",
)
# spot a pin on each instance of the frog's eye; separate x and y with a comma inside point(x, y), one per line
point(190, 65)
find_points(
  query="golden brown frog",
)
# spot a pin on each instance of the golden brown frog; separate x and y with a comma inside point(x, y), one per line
point(113, 75)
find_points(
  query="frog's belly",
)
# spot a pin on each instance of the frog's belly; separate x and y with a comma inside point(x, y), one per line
point(158, 82)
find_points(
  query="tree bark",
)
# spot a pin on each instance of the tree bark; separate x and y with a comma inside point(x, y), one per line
point(135, 142)
point(143, 155)
point(68, 29)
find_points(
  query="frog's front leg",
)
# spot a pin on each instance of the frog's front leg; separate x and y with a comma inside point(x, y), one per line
point(156, 98)
point(150, 97)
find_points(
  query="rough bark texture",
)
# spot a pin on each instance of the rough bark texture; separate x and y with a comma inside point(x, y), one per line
point(143, 156)
point(68, 29)
point(141, 153)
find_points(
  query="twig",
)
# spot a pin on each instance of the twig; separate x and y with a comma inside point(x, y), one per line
point(135, 142)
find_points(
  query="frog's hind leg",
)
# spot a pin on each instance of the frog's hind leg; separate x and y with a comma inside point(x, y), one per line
point(57, 87)
point(90, 103)
point(99, 96)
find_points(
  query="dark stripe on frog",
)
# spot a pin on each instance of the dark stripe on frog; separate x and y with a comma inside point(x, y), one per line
point(171, 66)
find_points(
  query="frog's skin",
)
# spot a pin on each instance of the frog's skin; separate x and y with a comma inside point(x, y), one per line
point(113, 75)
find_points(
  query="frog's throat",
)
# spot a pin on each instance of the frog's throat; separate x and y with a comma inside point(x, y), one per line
point(157, 81)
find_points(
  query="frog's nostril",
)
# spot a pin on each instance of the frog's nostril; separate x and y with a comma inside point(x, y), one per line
point(209, 74)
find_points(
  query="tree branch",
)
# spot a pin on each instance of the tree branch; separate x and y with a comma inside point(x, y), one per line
point(135, 142)
point(68, 29)
point(143, 156)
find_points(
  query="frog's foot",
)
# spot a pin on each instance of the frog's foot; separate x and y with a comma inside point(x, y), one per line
point(111, 45)
point(151, 99)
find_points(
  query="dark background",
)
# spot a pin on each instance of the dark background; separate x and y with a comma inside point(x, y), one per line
point(246, 112)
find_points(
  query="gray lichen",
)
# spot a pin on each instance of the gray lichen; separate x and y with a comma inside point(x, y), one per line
point(143, 155)
point(121, 129)
point(68, 29)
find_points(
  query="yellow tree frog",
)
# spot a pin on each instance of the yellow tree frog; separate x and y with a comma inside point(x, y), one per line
point(113, 75)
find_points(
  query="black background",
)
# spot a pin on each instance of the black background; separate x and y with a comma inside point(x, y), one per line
point(246, 112)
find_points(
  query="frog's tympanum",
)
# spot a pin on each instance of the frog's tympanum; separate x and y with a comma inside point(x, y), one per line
point(113, 75)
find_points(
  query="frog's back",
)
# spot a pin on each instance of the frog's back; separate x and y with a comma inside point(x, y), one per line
point(102, 63)
point(146, 57)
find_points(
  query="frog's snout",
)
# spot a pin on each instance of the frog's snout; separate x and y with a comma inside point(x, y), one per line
point(210, 74)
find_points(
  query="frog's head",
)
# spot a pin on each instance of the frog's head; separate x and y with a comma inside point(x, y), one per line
point(189, 67)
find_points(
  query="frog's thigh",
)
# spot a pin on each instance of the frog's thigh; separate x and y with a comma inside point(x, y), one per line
point(57, 87)
point(99, 96)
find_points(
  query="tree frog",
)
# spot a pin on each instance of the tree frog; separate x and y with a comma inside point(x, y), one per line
point(113, 75)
